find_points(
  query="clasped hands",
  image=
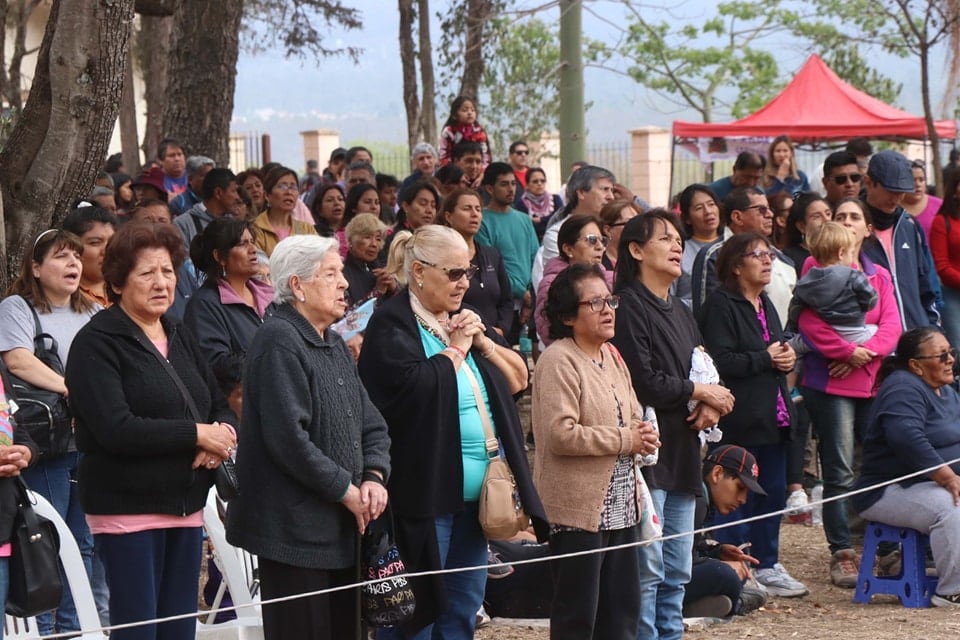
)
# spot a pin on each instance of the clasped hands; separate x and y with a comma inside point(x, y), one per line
point(215, 443)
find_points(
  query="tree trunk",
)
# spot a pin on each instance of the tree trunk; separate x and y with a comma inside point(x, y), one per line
point(58, 145)
point(21, 14)
point(428, 114)
point(411, 100)
point(128, 122)
point(478, 13)
point(4, 82)
point(153, 56)
point(203, 75)
point(928, 117)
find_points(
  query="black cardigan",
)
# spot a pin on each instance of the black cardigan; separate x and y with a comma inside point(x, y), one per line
point(418, 398)
point(656, 338)
point(132, 423)
point(490, 293)
point(734, 339)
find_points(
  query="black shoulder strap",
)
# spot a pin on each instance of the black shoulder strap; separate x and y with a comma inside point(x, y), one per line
point(39, 346)
point(191, 405)
point(196, 223)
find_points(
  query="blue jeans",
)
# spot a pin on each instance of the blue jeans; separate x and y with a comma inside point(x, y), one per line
point(56, 480)
point(950, 318)
point(461, 544)
point(152, 574)
point(4, 585)
point(837, 421)
point(763, 534)
point(665, 568)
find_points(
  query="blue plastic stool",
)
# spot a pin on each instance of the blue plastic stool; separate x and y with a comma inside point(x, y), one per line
point(912, 585)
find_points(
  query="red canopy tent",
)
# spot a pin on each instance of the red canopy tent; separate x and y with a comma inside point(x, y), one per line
point(818, 105)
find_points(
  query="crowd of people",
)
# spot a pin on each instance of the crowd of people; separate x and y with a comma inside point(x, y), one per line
point(348, 338)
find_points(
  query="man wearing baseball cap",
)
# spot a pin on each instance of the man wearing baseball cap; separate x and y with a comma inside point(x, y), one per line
point(716, 588)
point(898, 243)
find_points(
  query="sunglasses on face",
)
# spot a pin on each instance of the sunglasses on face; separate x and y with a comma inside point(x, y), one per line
point(944, 357)
point(762, 209)
point(454, 274)
point(592, 239)
point(852, 177)
point(596, 304)
point(521, 152)
point(760, 254)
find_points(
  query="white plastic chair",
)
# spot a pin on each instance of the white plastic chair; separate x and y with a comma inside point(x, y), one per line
point(238, 569)
point(77, 581)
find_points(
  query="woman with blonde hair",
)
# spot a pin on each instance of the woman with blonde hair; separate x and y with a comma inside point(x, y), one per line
point(363, 268)
point(439, 375)
point(782, 173)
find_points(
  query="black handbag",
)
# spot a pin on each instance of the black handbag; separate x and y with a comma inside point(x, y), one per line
point(389, 601)
point(43, 413)
point(35, 583)
point(225, 475)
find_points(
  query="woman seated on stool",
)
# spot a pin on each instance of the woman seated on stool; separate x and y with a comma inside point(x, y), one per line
point(914, 425)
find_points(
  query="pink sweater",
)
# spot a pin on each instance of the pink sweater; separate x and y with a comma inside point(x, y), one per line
point(829, 346)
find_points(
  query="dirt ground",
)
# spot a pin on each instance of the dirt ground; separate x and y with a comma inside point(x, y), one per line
point(827, 613)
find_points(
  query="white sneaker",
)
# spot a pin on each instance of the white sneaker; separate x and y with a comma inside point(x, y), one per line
point(780, 583)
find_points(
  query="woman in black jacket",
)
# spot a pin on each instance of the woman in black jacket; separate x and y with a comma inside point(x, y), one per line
point(657, 335)
point(742, 332)
point(152, 425)
point(422, 348)
point(228, 309)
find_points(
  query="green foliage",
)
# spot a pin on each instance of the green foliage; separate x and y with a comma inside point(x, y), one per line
point(451, 50)
point(691, 64)
point(847, 63)
point(520, 82)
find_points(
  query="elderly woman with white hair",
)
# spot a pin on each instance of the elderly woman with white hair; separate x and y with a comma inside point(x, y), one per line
point(437, 374)
point(365, 273)
point(315, 458)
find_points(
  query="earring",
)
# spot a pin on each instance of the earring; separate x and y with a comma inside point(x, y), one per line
point(420, 284)
point(303, 298)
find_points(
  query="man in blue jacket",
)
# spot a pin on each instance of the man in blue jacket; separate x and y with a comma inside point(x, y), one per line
point(898, 242)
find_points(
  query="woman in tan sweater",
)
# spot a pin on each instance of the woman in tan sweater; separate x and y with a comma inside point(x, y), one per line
point(589, 429)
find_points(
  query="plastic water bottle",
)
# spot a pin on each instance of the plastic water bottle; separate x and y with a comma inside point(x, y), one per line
point(650, 415)
point(816, 496)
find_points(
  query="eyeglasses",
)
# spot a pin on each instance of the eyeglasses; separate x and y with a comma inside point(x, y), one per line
point(454, 274)
point(762, 209)
point(596, 304)
point(522, 152)
point(592, 239)
point(852, 177)
point(944, 357)
point(760, 254)
point(287, 186)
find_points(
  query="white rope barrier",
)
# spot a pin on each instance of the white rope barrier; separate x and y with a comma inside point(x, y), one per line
point(549, 558)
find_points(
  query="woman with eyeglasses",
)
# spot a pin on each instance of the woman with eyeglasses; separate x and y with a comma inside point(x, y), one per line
point(277, 222)
point(537, 202)
point(809, 211)
point(615, 215)
point(657, 335)
point(781, 203)
point(742, 331)
point(914, 426)
point(918, 203)
point(782, 173)
point(580, 241)
point(589, 430)
point(838, 385)
point(438, 374)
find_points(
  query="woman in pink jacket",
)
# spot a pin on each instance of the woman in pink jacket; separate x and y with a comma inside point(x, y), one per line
point(580, 241)
point(838, 389)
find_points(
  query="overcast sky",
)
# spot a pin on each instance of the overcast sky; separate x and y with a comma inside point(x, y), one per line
point(365, 102)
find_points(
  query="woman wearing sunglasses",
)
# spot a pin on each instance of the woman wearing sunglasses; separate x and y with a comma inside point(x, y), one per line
point(657, 335)
point(913, 426)
point(580, 242)
point(437, 374)
point(742, 331)
point(589, 429)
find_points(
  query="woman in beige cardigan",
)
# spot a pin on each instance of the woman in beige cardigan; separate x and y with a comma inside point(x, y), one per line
point(589, 430)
